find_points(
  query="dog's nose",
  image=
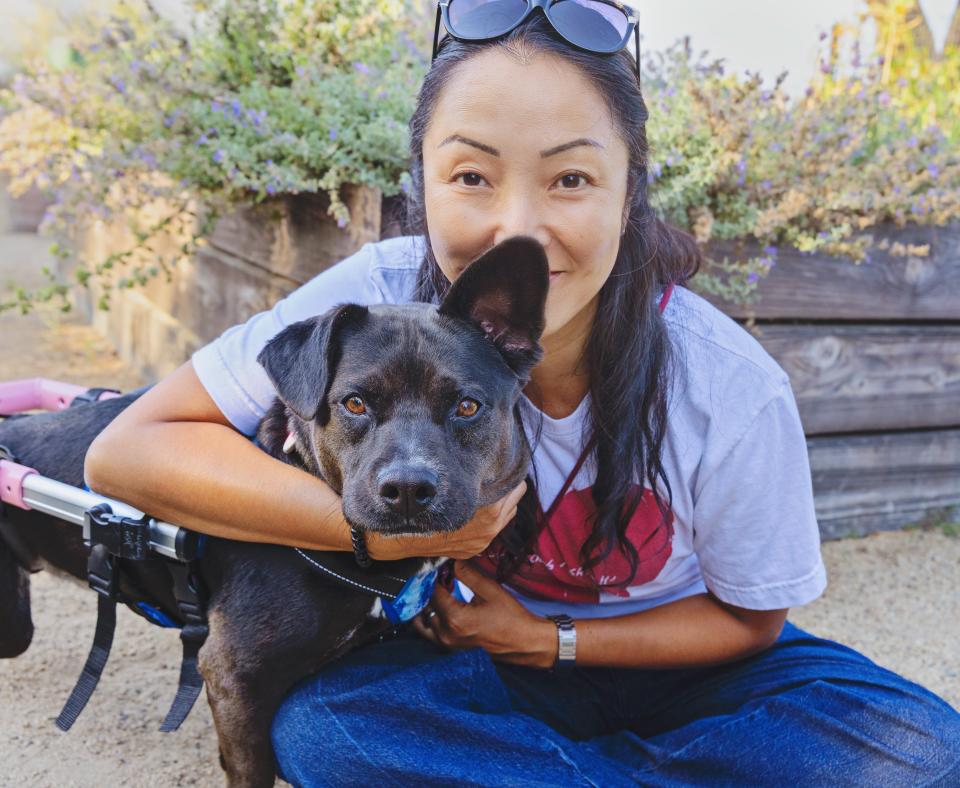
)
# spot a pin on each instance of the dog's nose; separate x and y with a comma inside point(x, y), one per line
point(407, 490)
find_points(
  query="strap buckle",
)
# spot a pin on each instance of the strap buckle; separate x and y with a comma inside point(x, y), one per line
point(123, 537)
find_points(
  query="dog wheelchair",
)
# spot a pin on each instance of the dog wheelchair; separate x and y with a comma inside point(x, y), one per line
point(132, 556)
point(117, 535)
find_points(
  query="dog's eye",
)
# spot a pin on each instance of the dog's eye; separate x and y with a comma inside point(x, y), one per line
point(467, 407)
point(355, 405)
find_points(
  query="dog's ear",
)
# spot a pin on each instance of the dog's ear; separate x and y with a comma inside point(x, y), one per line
point(301, 360)
point(504, 294)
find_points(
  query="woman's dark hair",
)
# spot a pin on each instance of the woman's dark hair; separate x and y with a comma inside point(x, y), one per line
point(628, 352)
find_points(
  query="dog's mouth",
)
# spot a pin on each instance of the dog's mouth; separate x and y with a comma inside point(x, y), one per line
point(389, 524)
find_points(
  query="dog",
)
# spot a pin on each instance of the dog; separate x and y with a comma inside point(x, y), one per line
point(409, 412)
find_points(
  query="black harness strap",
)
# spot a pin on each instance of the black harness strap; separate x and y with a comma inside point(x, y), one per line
point(114, 539)
point(193, 635)
point(103, 579)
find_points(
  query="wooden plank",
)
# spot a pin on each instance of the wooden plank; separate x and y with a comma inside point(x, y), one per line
point(294, 236)
point(887, 288)
point(858, 378)
point(866, 483)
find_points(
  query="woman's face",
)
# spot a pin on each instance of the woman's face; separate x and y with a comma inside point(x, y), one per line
point(527, 148)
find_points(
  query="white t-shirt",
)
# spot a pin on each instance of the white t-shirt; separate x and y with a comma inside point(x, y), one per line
point(742, 520)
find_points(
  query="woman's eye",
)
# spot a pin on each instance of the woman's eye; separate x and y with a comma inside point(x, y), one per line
point(470, 178)
point(572, 180)
point(467, 407)
point(355, 405)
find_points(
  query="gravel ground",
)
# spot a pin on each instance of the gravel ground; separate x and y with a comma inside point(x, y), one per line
point(893, 596)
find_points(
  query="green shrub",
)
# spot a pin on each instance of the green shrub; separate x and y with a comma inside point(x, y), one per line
point(731, 159)
point(260, 97)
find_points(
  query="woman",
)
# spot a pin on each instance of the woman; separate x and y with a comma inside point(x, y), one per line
point(683, 528)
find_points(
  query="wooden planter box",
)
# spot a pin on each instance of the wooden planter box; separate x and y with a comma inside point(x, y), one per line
point(252, 259)
point(873, 354)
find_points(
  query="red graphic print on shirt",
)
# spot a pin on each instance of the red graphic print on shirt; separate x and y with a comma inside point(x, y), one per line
point(555, 571)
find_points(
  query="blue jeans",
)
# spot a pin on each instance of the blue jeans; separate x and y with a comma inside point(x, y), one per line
point(805, 712)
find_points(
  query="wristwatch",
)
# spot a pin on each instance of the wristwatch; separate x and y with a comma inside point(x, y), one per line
point(567, 644)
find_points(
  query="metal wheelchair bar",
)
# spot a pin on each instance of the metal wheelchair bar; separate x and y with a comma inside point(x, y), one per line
point(71, 504)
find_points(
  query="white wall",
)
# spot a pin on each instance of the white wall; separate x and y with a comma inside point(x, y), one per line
point(769, 36)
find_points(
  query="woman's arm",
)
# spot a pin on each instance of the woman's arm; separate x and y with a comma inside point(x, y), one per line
point(695, 631)
point(174, 455)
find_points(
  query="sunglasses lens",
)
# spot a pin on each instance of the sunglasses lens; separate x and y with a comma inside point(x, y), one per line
point(590, 24)
point(479, 19)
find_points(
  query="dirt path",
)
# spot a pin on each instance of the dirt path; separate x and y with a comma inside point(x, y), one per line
point(893, 596)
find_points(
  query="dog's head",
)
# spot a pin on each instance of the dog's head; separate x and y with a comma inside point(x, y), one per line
point(407, 411)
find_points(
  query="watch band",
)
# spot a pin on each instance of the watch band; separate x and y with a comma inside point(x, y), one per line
point(567, 644)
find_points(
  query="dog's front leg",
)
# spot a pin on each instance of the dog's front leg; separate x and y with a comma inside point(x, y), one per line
point(243, 700)
point(271, 623)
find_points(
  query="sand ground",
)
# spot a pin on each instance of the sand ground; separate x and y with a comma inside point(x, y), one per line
point(893, 596)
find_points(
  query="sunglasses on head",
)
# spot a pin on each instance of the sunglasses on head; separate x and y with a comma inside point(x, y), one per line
point(602, 26)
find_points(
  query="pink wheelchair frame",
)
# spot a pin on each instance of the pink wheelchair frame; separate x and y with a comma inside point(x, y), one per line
point(24, 488)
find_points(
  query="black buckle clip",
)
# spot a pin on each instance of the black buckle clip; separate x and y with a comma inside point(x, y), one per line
point(123, 537)
point(102, 574)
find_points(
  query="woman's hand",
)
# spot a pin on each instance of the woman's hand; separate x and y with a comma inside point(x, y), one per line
point(466, 542)
point(493, 620)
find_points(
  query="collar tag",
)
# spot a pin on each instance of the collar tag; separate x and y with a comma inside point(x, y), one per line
point(413, 598)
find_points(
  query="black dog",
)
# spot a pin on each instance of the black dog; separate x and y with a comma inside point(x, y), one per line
point(408, 412)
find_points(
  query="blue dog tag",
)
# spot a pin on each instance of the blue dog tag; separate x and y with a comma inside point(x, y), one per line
point(413, 598)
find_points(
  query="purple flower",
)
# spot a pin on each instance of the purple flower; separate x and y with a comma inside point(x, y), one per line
point(300, 70)
point(884, 99)
point(341, 223)
point(766, 185)
point(363, 68)
point(753, 277)
point(271, 188)
point(913, 142)
point(933, 170)
point(333, 134)
point(237, 108)
point(168, 121)
point(218, 156)
point(202, 140)
point(119, 85)
point(216, 106)
point(405, 188)
point(382, 94)
point(770, 251)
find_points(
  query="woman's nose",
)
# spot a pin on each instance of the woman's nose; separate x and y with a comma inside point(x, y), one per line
point(522, 216)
